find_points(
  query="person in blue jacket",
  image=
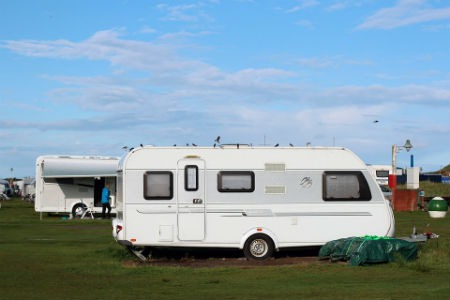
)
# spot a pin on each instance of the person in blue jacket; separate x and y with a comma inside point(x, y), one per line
point(105, 201)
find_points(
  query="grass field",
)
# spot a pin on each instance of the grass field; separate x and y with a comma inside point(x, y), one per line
point(78, 259)
point(432, 189)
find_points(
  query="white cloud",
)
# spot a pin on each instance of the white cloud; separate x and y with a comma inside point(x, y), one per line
point(185, 12)
point(148, 30)
point(345, 4)
point(339, 5)
point(405, 12)
point(107, 45)
point(427, 95)
point(302, 4)
point(329, 62)
point(183, 35)
point(316, 62)
point(342, 116)
point(305, 24)
point(171, 81)
point(163, 98)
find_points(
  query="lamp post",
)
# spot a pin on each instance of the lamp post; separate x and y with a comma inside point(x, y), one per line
point(395, 149)
point(11, 179)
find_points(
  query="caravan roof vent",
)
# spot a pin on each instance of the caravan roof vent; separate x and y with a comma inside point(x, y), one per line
point(275, 189)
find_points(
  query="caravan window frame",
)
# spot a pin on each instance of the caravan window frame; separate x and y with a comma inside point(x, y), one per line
point(246, 175)
point(147, 186)
point(362, 193)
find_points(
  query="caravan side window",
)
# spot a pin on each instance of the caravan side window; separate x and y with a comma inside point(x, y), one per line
point(236, 181)
point(158, 185)
point(345, 186)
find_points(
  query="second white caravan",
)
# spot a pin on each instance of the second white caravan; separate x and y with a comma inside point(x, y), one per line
point(258, 199)
point(72, 184)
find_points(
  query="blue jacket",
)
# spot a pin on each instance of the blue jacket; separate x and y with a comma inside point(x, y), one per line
point(105, 195)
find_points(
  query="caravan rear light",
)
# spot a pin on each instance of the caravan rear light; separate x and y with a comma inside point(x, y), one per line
point(118, 228)
point(132, 240)
point(259, 229)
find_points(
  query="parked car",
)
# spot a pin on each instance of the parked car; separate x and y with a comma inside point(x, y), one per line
point(387, 192)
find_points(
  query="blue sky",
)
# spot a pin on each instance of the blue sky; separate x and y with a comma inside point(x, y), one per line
point(89, 77)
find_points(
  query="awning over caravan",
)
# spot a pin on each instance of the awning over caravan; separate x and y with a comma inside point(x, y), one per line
point(59, 167)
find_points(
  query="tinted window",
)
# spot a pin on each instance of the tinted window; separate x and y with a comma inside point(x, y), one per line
point(191, 178)
point(236, 181)
point(345, 186)
point(158, 185)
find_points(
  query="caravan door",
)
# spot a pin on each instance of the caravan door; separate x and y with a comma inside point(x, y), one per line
point(191, 199)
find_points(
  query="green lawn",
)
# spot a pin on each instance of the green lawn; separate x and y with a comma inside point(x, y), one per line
point(78, 259)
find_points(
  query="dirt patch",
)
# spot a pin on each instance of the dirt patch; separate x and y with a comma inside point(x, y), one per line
point(207, 258)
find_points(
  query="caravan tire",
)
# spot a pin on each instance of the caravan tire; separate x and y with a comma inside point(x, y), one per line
point(78, 209)
point(258, 247)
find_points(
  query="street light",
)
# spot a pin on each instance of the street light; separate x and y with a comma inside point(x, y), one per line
point(395, 149)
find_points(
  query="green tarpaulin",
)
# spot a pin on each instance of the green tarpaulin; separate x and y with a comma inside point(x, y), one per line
point(366, 250)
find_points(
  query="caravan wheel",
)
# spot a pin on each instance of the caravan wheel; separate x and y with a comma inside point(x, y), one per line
point(258, 247)
point(78, 209)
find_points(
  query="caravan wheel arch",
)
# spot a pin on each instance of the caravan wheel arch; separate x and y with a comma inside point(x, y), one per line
point(259, 230)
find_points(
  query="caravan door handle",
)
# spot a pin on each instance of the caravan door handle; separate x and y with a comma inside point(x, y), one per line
point(197, 201)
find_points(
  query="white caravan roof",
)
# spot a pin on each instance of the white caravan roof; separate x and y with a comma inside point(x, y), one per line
point(313, 158)
point(77, 166)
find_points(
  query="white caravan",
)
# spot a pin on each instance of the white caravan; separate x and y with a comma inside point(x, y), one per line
point(4, 186)
point(29, 187)
point(70, 184)
point(382, 172)
point(258, 199)
point(25, 186)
